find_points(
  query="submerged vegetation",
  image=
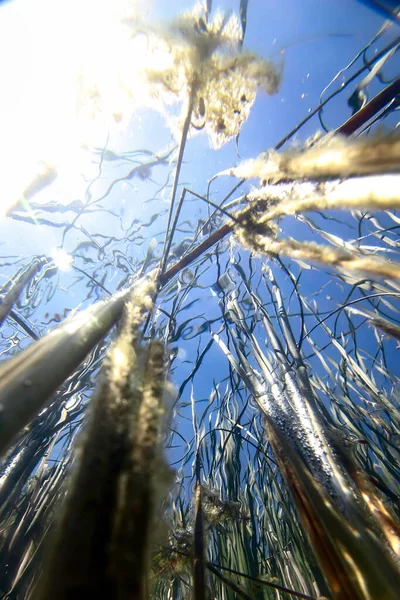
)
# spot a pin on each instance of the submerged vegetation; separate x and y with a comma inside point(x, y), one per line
point(203, 401)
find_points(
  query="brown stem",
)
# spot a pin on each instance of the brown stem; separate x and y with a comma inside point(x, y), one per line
point(370, 109)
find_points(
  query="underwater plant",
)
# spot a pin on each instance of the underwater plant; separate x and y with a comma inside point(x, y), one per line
point(215, 413)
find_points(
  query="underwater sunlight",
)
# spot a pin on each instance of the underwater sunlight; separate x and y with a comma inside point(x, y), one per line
point(200, 284)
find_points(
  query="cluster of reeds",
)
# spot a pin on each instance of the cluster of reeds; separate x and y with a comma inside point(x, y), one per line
point(283, 478)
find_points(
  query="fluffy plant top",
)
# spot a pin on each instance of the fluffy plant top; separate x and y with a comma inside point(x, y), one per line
point(200, 65)
point(341, 259)
point(300, 189)
point(329, 160)
point(379, 192)
point(332, 157)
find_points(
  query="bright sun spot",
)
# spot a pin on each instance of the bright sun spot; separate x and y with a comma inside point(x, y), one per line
point(62, 259)
point(68, 78)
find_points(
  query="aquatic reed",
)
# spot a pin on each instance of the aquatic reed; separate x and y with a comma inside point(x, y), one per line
point(286, 481)
point(116, 475)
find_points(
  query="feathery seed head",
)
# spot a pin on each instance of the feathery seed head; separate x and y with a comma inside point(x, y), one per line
point(204, 68)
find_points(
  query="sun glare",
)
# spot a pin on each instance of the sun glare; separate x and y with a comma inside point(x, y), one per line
point(68, 78)
point(62, 259)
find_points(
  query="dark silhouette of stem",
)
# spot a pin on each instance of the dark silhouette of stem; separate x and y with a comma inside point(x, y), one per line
point(371, 108)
